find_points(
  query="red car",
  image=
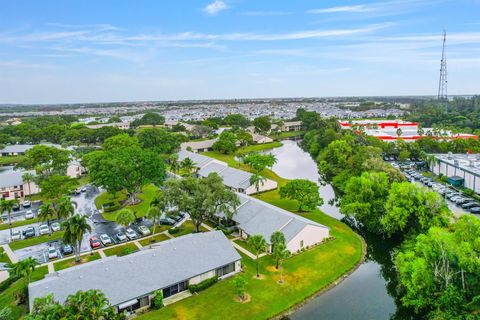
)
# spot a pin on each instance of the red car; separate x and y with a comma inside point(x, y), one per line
point(95, 242)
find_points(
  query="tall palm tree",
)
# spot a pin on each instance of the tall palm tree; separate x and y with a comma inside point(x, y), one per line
point(158, 206)
point(65, 208)
point(281, 253)
point(7, 205)
point(259, 245)
point(257, 179)
point(47, 211)
point(277, 238)
point(27, 177)
point(75, 227)
point(174, 164)
point(154, 214)
point(188, 165)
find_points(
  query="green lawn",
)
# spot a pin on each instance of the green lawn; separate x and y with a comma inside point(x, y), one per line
point(83, 180)
point(64, 264)
point(140, 209)
point(5, 226)
point(3, 256)
point(186, 228)
point(122, 250)
point(244, 244)
point(304, 274)
point(7, 299)
point(20, 244)
point(8, 160)
point(39, 273)
point(156, 238)
point(258, 147)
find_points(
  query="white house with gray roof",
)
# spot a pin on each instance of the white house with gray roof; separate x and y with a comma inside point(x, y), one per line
point(129, 282)
point(258, 217)
point(198, 146)
point(13, 186)
point(237, 180)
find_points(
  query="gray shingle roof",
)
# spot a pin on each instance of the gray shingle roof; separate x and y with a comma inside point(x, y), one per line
point(204, 144)
point(125, 278)
point(16, 148)
point(232, 178)
point(11, 179)
point(198, 159)
point(257, 217)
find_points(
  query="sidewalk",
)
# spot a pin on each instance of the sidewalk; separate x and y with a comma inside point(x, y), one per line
point(9, 253)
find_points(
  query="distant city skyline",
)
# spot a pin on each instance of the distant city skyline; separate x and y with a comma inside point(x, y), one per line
point(100, 51)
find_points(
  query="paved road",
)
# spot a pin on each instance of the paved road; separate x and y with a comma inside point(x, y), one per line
point(20, 214)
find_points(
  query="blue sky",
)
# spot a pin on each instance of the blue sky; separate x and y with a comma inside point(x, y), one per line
point(114, 50)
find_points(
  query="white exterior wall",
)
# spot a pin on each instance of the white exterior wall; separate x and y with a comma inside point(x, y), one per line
point(34, 189)
point(267, 185)
point(471, 181)
point(75, 170)
point(201, 277)
point(310, 235)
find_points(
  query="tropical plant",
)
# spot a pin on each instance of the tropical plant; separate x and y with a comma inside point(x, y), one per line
point(240, 285)
point(257, 180)
point(23, 268)
point(259, 245)
point(154, 214)
point(277, 238)
point(280, 253)
point(7, 205)
point(28, 177)
point(47, 212)
point(65, 208)
point(75, 227)
point(188, 166)
point(125, 217)
point(174, 164)
point(157, 301)
point(304, 191)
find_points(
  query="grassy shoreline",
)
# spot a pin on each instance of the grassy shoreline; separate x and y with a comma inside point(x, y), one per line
point(306, 275)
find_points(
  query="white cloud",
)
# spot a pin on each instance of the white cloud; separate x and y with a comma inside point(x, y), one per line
point(215, 7)
point(357, 8)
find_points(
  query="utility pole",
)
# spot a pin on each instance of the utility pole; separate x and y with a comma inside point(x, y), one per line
point(442, 83)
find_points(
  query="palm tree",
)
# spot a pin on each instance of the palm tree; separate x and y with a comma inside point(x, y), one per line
point(65, 208)
point(154, 214)
point(257, 179)
point(277, 238)
point(75, 227)
point(259, 245)
point(188, 165)
point(23, 268)
point(7, 205)
point(125, 217)
point(281, 253)
point(271, 160)
point(47, 211)
point(174, 164)
point(27, 177)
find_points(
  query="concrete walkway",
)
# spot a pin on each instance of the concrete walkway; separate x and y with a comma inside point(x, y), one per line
point(9, 253)
point(243, 250)
point(177, 297)
point(101, 253)
point(139, 246)
point(50, 267)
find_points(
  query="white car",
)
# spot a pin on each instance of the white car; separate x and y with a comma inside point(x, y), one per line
point(131, 234)
point(83, 189)
point(55, 226)
point(29, 214)
point(44, 229)
point(26, 204)
point(105, 239)
point(52, 253)
point(144, 231)
point(16, 235)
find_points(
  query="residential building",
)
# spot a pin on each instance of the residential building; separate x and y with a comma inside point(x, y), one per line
point(235, 179)
point(75, 169)
point(291, 126)
point(198, 146)
point(15, 150)
point(120, 125)
point(459, 167)
point(130, 282)
point(13, 186)
point(258, 217)
point(260, 139)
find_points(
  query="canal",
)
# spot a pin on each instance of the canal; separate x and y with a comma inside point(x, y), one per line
point(368, 293)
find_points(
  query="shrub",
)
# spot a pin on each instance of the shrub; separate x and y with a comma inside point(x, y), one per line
point(6, 313)
point(128, 250)
point(7, 283)
point(174, 230)
point(157, 301)
point(110, 206)
point(202, 285)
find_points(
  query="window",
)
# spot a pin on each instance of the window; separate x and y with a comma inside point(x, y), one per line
point(176, 288)
point(229, 268)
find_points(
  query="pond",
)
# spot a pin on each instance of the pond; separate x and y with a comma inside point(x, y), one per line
point(367, 293)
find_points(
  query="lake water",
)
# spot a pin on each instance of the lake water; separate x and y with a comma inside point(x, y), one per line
point(364, 295)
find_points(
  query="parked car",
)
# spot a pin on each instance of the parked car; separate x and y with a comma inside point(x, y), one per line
point(29, 214)
point(55, 226)
point(166, 221)
point(121, 237)
point(143, 230)
point(462, 200)
point(83, 189)
point(76, 191)
point(29, 232)
point(95, 242)
point(16, 235)
point(16, 207)
point(471, 204)
point(52, 253)
point(131, 234)
point(27, 204)
point(67, 249)
point(475, 210)
point(106, 240)
point(44, 229)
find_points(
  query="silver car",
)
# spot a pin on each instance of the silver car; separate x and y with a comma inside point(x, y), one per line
point(16, 235)
point(52, 253)
point(55, 226)
point(44, 229)
point(131, 234)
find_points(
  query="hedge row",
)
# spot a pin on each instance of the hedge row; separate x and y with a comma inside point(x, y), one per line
point(202, 285)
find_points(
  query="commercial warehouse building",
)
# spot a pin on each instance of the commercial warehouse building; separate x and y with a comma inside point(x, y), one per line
point(130, 282)
point(459, 167)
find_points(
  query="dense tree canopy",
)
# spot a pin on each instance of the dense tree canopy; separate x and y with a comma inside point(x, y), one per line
point(46, 160)
point(305, 192)
point(160, 140)
point(226, 143)
point(236, 119)
point(262, 124)
point(149, 119)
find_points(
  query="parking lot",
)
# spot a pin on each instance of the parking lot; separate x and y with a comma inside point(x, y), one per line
point(458, 203)
point(85, 205)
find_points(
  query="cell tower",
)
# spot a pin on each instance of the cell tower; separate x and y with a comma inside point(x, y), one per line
point(442, 83)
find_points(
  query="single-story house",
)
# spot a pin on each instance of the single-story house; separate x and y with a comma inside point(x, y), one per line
point(20, 149)
point(130, 282)
point(13, 186)
point(119, 125)
point(260, 139)
point(198, 146)
point(237, 180)
point(258, 217)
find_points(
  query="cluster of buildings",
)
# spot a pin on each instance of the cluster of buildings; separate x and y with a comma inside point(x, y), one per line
point(392, 130)
point(464, 169)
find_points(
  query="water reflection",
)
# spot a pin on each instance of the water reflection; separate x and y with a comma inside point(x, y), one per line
point(369, 292)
